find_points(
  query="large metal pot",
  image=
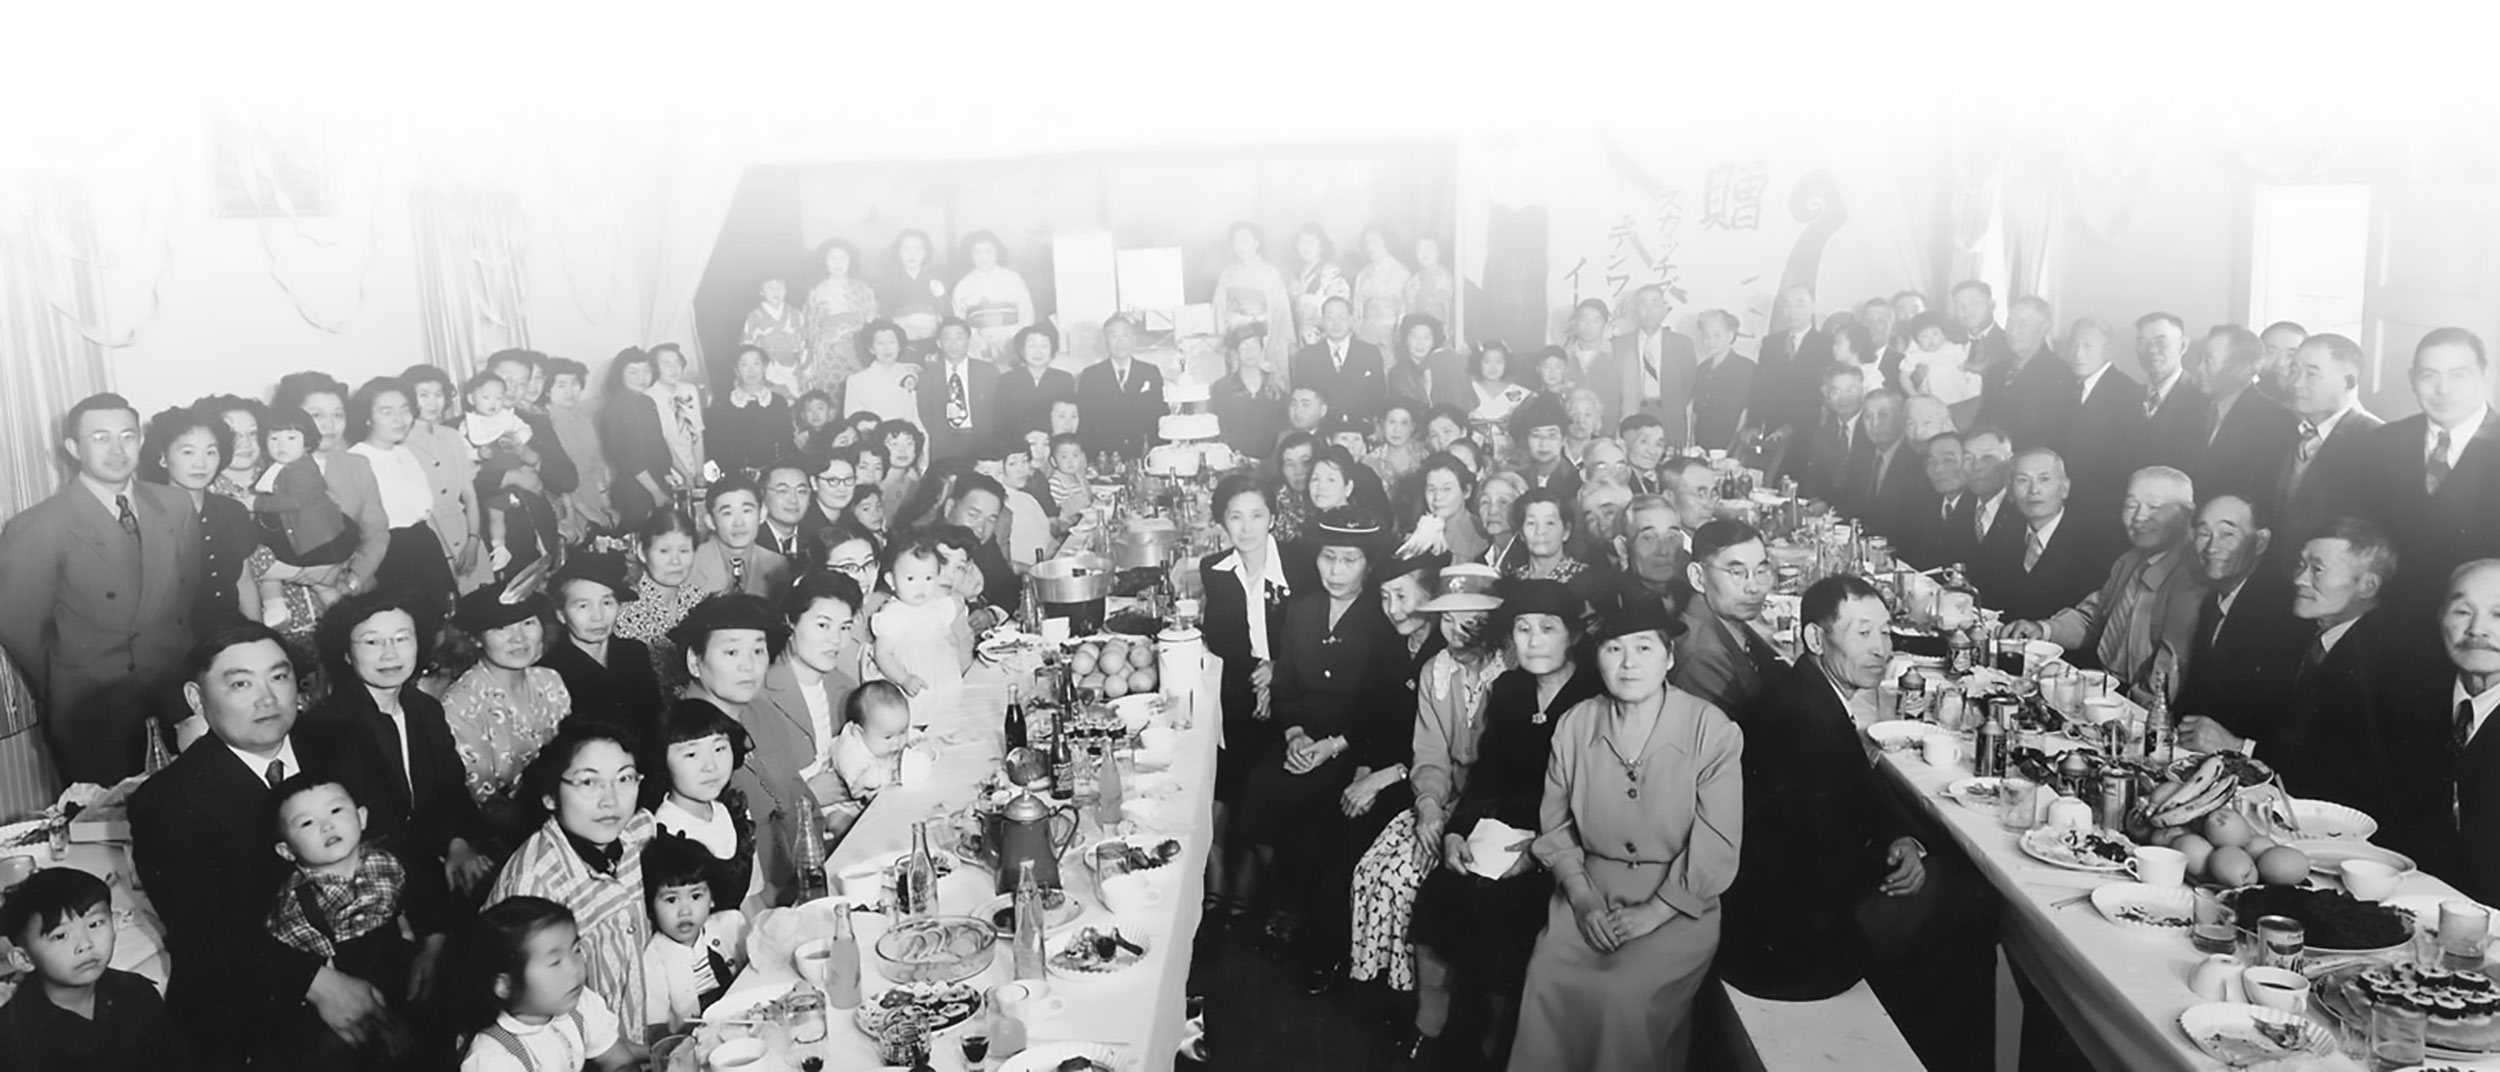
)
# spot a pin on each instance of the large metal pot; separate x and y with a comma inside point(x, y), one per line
point(1151, 543)
point(1073, 578)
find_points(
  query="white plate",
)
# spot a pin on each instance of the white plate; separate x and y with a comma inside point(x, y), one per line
point(1978, 794)
point(2049, 847)
point(2326, 820)
point(2227, 1032)
point(1144, 841)
point(1126, 960)
point(1045, 1056)
point(2151, 909)
point(2325, 854)
point(1054, 920)
point(1898, 734)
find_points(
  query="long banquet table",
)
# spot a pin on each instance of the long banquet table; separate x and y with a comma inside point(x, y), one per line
point(1140, 1010)
point(2118, 992)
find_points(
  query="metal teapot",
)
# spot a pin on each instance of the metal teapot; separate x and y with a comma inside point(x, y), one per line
point(1025, 829)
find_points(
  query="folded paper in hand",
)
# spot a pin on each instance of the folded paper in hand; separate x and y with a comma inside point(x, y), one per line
point(1490, 847)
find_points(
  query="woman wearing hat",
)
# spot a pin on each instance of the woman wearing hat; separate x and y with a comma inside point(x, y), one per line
point(729, 643)
point(1246, 589)
point(1384, 749)
point(609, 676)
point(1450, 695)
point(1642, 814)
point(505, 706)
point(1484, 928)
point(1334, 639)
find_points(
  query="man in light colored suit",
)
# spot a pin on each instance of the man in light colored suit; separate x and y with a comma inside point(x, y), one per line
point(98, 583)
point(1656, 366)
point(2149, 601)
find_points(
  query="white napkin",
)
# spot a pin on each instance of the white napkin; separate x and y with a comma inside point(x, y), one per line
point(1490, 847)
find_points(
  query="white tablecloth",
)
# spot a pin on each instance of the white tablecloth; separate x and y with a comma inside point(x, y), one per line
point(2118, 991)
point(1140, 1009)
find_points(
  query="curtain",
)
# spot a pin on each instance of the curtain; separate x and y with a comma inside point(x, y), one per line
point(52, 354)
point(693, 182)
point(472, 287)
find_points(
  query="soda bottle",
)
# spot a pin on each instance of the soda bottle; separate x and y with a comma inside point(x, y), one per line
point(1107, 788)
point(1960, 652)
point(1015, 728)
point(1031, 920)
point(1988, 754)
point(842, 963)
point(811, 852)
point(915, 888)
point(1063, 756)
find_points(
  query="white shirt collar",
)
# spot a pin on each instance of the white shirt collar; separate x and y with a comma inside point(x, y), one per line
point(2485, 702)
point(2048, 528)
point(2458, 436)
point(2225, 599)
point(2162, 390)
point(2334, 634)
point(259, 765)
point(1988, 507)
point(2327, 427)
point(104, 494)
point(2094, 380)
point(1274, 574)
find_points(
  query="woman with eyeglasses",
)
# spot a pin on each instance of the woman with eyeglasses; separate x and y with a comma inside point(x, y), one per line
point(856, 553)
point(503, 708)
point(587, 856)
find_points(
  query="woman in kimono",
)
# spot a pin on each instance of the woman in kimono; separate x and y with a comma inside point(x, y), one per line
point(1642, 815)
point(1483, 928)
point(1316, 279)
point(836, 309)
point(914, 294)
point(992, 297)
point(1250, 290)
point(1380, 290)
point(774, 326)
point(587, 856)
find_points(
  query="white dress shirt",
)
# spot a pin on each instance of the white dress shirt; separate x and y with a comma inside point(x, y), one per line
point(2484, 703)
point(1255, 593)
point(2458, 436)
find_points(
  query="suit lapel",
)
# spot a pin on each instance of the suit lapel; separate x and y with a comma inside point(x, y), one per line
point(2481, 452)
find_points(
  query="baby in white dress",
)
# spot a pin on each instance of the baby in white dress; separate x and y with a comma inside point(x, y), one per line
point(916, 631)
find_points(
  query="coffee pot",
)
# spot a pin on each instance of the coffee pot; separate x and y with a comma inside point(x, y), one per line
point(1026, 829)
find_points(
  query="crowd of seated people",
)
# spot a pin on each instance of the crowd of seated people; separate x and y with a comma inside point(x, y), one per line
point(476, 718)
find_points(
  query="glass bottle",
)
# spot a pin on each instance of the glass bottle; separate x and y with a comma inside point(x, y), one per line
point(1107, 788)
point(2160, 737)
point(842, 963)
point(1988, 753)
point(1015, 730)
point(915, 889)
point(811, 853)
point(1960, 652)
point(1063, 756)
point(1031, 921)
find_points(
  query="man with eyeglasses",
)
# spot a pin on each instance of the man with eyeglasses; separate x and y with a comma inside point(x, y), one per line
point(200, 835)
point(786, 494)
point(1722, 656)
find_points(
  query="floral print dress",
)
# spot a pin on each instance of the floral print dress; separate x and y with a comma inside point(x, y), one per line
point(498, 731)
point(836, 310)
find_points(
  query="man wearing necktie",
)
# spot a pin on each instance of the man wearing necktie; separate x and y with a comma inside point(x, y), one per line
point(2432, 480)
point(1347, 371)
point(2147, 603)
point(201, 836)
point(2338, 735)
point(2175, 410)
point(2323, 383)
point(2469, 625)
point(2238, 664)
point(1656, 366)
point(99, 583)
point(1120, 396)
point(956, 401)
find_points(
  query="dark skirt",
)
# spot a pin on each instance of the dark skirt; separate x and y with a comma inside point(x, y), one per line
point(1247, 740)
point(1277, 806)
point(1485, 929)
point(416, 569)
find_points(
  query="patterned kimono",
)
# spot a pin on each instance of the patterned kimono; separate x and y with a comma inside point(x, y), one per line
point(784, 342)
point(836, 310)
point(1313, 286)
point(1380, 300)
point(607, 909)
point(1255, 292)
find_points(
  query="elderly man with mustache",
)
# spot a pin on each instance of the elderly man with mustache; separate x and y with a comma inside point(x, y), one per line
point(2469, 627)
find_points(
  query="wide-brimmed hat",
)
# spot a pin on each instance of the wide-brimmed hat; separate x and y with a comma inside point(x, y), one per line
point(1465, 587)
point(1638, 614)
point(1400, 567)
point(597, 567)
point(507, 602)
point(732, 610)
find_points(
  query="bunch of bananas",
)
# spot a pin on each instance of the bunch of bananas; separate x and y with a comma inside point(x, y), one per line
point(2179, 803)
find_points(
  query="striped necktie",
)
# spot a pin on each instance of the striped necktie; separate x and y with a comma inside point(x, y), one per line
point(2435, 470)
point(2033, 545)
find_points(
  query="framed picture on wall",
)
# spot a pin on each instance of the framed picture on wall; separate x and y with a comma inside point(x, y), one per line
point(264, 166)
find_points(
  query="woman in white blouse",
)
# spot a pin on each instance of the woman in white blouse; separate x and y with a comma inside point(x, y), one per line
point(379, 419)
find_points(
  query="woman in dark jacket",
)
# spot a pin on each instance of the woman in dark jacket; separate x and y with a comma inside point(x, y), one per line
point(749, 425)
point(1335, 641)
point(186, 449)
point(1485, 929)
point(1027, 387)
point(372, 645)
point(1246, 589)
point(629, 428)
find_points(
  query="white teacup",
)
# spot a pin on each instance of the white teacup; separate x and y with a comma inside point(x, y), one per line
point(2276, 988)
point(2157, 866)
point(1940, 749)
point(2369, 880)
point(1027, 999)
point(737, 1055)
point(1130, 894)
point(2217, 978)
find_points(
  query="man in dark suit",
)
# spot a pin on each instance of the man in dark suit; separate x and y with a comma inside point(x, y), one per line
point(1120, 398)
point(2049, 564)
point(1885, 482)
point(1345, 370)
point(2101, 426)
point(2028, 394)
point(1933, 529)
point(2317, 471)
point(2249, 434)
point(2238, 663)
point(958, 396)
point(1835, 440)
point(2470, 629)
point(1973, 308)
point(99, 581)
point(2432, 480)
point(783, 530)
point(1834, 886)
point(1991, 522)
point(2282, 339)
point(1788, 375)
point(1656, 364)
point(544, 451)
point(1722, 657)
point(2338, 735)
point(2176, 413)
point(201, 835)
